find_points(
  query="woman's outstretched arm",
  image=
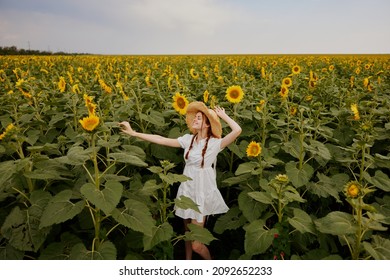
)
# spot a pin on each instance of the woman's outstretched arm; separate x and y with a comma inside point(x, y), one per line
point(153, 138)
point(235, 127)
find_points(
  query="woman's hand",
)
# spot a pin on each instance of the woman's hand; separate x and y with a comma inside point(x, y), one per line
point(126, 128)
point(236, 129)
point(220, 112)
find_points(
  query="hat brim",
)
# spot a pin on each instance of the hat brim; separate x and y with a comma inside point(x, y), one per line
point(197, 106)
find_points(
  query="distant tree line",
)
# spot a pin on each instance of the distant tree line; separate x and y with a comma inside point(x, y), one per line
point(15, 51)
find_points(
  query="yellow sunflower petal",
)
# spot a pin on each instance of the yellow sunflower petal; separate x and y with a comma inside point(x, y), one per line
point(90, 123)
point(253, 149)
point(180, 103)
point(234, 94)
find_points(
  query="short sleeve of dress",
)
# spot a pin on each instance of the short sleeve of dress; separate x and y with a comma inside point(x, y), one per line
point(215, 145)
point(185, 140)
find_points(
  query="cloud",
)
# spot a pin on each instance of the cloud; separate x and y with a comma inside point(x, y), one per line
point(199, 17)
point(195, 26)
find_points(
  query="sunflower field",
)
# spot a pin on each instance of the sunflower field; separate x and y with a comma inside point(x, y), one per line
point(308, 178)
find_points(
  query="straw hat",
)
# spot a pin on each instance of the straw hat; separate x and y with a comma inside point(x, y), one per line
point(197, 106)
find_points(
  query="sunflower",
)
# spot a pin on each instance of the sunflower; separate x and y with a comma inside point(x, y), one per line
point(62, 84)
point(180, 103)
point(89, 104)
point(313, 76)
point(194, 74)
point(253, 149)
point(352, 81)
point(206, 96)
point(355, 110)
point(44, 71)
point(366, 82)
point(263, 75)
point(260, 106)
point(20, 83)
point(296, 69)
point(352, 189)
point(366, 126)
point(87, 98)
point(293, 111)
point(309, 97)
point(7, 131)
point(284, 92)
point(287, 82)
point(91, 109)
point(104, 86)
point(282, 178)
point(147, 81)
point(312, 84)
point(76, 88)
point(90, 123)
point(234, 94)
point(357, 71)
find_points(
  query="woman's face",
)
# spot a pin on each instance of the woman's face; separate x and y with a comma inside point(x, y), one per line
point(200, 122)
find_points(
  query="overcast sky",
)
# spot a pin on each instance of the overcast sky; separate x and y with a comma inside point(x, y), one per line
point(197, 26)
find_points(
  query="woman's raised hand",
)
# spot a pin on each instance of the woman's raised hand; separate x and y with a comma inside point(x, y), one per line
point(220, 111)
point(126, 128)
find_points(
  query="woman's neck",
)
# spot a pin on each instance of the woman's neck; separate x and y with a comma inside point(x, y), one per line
point(201, 135)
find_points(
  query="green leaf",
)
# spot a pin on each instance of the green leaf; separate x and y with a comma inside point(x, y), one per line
point(236, 150)
point(77, 155)
point(106, 199)
point(262, 197)
point(21, 227)
point(382, 161)
point(60, 209)
point(250, 208)
point(136, 216)
point(336, 223)
point(7, 170)
point(379, 248)
point(298, 177)
point(198, 233)
point(246, 167)
point(234, 180)
point(163, 232)
point(56, 118)
point(344, 135)
point(318, 148)
point(231, 220)
point(8, 252)
point(294, 148)
point(328, 186)
point(157, 118)
point(293, 196)
point(258, 239)
point(150, 187)
point(43, 174)
point(380, 180)
point(134, 151)
point(156, 169)
point(60, 250)
point(171, 178)
point(129, 159)
point(185, 202)
point(106, 251)
point(302, 221)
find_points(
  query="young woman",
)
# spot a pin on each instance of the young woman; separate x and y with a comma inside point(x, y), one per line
point(200, 153)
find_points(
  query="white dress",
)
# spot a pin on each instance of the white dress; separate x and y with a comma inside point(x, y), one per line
point(202, 189)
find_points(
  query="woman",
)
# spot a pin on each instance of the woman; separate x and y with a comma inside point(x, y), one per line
point(200, 153)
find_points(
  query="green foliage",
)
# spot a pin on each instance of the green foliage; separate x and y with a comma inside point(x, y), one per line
point(70, 193)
